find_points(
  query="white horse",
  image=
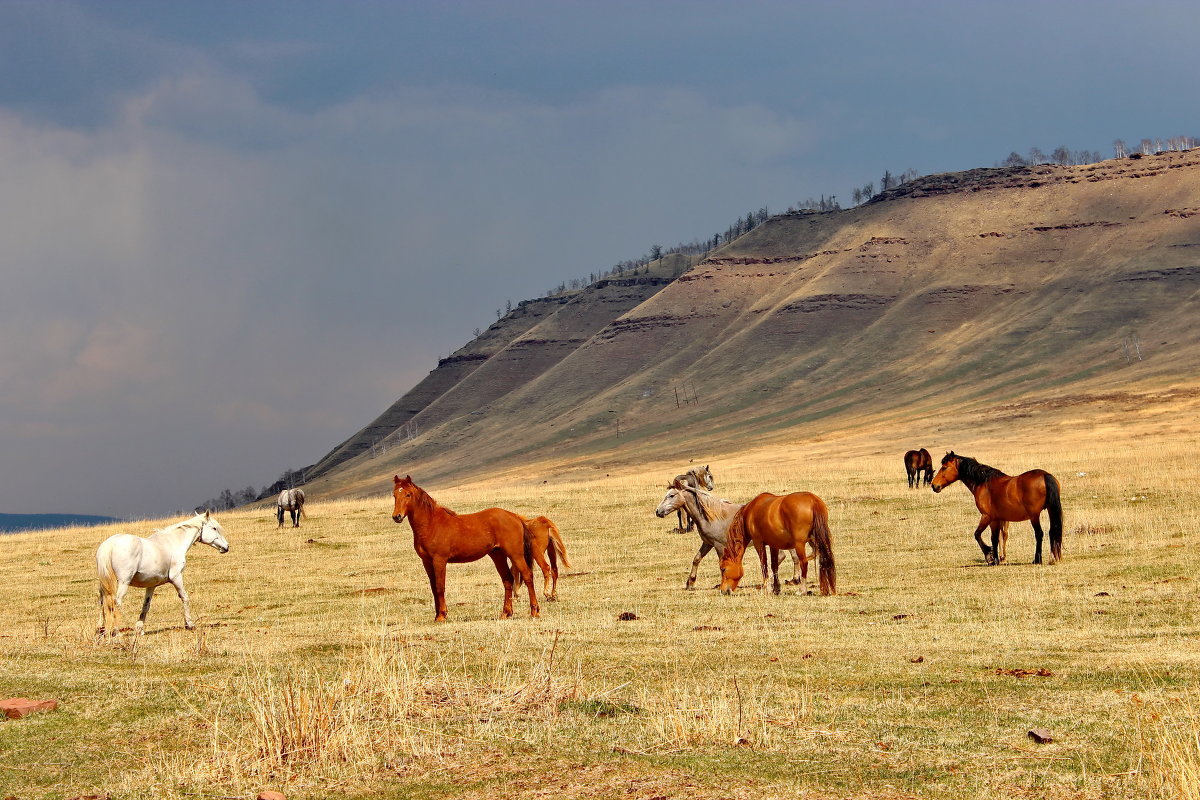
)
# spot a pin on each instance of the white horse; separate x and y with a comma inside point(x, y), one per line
point(291, 500)
point(712, 517)
point(125, 560)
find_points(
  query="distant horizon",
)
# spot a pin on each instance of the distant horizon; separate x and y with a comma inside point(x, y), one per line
point(21, 523)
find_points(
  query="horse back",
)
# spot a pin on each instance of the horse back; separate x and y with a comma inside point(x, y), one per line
point(782, 520)
point(469, 537)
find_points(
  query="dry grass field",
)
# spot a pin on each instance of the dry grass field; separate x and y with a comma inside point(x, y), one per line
point(316, 668)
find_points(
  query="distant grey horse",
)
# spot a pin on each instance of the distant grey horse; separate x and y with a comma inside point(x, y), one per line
point(712, 516)
point(695, 477)
point(291, 500)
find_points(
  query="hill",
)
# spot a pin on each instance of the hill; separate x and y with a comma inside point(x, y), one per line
point(989, 294)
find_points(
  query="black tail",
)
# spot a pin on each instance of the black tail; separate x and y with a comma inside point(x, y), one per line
point(822, 539)
point(1054, 509)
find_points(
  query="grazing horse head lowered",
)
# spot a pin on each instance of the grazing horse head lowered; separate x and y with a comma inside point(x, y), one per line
point(292, 501)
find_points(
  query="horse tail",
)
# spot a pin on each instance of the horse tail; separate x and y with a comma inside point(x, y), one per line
point(1054, 508)
point(557, 543)
point(822, 539)
point(108, 587)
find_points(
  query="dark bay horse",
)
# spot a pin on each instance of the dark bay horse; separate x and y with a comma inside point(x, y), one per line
point(543, 540)
point(442, 537)
point(1002, 499)
point(290, 500)
point(697, 478)
point(917, 462)
point(777, 522)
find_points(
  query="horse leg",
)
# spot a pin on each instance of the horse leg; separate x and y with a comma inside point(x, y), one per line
point(177, 582)
point(800, 569)
point(775, 554)
point(279, 516)
point(1004, 542)
point(506, 577)
point(700, 554)
point(436, 570)
point(540, 558)
point(295, 518)
point(761, 549)
point(987, 553)
point(997, 554)
point(552, 594)
point(141, 623)
point(1037, 534)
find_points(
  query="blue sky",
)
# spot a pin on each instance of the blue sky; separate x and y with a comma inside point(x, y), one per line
point(234, 232)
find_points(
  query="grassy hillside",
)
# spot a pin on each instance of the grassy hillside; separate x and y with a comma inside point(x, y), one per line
point(966, 292)
point(316, 668)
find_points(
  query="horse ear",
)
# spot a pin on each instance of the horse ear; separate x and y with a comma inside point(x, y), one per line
point(207, 513)
point(396, 479)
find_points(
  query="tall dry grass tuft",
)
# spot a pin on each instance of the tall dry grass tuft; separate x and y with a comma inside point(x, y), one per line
point(1169, 736)
point(388, 710)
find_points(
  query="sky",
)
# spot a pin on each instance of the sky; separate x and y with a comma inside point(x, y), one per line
point(233, 233)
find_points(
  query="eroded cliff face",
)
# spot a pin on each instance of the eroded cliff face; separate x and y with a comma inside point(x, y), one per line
point(523, 344)
point(950, 293)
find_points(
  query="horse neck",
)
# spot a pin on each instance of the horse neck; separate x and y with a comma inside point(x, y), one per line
point(424, 510)
point(179, 537)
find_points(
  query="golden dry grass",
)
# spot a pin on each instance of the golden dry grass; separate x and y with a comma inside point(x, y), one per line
point(316, 668)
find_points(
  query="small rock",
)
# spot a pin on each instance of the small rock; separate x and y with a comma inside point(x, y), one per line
point(17, 707)
point(1041, 735)
point(917, 659)
point(625, 616)
point(270, 795)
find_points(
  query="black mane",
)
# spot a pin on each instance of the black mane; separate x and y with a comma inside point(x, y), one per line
point(972, 473)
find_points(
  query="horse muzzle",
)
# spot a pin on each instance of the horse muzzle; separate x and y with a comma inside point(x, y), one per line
point(660, 514)
point(224, 549)
point(397, 517)
point(935, 488)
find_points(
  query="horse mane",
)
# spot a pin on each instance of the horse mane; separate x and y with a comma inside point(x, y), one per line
point(973, 473)
point(735, 536)
point(427, 503)
point(709, 504)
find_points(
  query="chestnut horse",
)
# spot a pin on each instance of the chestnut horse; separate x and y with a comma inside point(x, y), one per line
point(440, 537)
point(917, 462)
point(787, 522)
point(542, 539)
point(1002, 499)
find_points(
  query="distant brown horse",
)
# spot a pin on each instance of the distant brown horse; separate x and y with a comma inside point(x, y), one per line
point(781, 523)
point(542, 539)
point(917, 462)
point(441, 536)
point(1002, 499)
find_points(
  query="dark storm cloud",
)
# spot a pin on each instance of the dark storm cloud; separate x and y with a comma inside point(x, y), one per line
point(233, 233)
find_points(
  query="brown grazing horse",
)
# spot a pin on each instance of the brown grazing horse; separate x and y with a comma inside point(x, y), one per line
point(1002, 499)
point(441, 536)
point(543, 539)
point(917, 462)
point(781, 523)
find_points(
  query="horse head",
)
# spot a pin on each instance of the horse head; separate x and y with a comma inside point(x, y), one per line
point(731, 573)
point(211, 533)
point(405, 493)
point(706, 478)
point(948, 473)
point(672, 502)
